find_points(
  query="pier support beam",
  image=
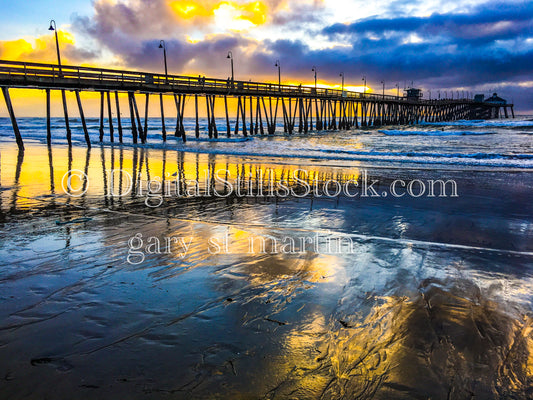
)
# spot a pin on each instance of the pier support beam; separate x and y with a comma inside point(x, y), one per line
point(101, 117)
point(14, 123)
point(110, 117)
point(145, 133)
point(48, 122)
point(82, 117)
point(118, 118)
point(163, 129)
point(138, 117)
point(67, 123)
point(132, 118)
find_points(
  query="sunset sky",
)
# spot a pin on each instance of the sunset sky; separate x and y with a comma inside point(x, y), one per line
point(471, 45)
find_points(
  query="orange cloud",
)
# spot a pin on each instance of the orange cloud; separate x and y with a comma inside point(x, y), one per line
point(40, 49)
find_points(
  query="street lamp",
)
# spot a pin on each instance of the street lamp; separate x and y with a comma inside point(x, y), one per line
point(278, 64)
point(314, 70)
point(163, 46)
point(383, 83)
point(53, 27)
point(439, 93)
point(230, 56)
point(398, 90)
point(429, 94)
point(364, 87)
point(342, 86)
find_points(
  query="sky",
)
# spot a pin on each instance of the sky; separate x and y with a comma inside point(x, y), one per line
point(471, 45)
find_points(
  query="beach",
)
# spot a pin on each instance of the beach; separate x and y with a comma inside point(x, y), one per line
point(140, 275)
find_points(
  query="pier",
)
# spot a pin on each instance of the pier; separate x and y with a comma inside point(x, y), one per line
point(259, 105)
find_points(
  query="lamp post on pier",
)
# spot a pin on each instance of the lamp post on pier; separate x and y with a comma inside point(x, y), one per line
point(230, 56)
point(163, 46)
point(398, 90)
point(53, 27)
point(364, 87)
point(278, 64)
point(314, 70)
point(383, 83)
point(342, 85)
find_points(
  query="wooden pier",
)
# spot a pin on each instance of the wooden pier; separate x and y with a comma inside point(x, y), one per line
point(259, 105)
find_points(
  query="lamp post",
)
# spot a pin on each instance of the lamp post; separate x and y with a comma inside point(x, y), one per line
point(163, 46)
point(278, 64)
point(230, 56)
point(342, 85)
point(314, 70)
point(364, 87)
point(383, 83)
point(438, 93)
point(398, 90)
point(53, 27)
point(429, 94)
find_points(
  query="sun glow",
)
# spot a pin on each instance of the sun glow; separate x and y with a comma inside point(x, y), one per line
point(228, 15)
point(237, 17)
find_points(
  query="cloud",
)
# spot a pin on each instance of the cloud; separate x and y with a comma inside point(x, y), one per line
point(488, 43)
point(43, 49)
point(483, 24)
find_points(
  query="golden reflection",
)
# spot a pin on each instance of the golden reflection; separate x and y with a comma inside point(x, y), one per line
point(119, 171)
point(459, 343)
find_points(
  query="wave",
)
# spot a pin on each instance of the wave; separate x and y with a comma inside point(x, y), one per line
point(520, 161)
point(396, 132)
point(482, 123)
point(375, 146)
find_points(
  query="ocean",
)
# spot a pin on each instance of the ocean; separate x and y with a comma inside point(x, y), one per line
point(376, 263)
point(494, 143)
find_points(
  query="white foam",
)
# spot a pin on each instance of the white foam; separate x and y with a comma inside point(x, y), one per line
point(395, 132)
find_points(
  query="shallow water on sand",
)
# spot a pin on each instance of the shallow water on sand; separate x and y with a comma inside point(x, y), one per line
point(427, 297)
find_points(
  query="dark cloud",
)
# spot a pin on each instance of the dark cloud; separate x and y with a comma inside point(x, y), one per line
point(485, 23)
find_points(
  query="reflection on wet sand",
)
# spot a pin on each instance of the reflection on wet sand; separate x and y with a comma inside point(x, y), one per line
point(389, 319)
point(444, 343)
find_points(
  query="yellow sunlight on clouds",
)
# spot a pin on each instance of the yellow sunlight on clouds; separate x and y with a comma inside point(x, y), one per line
point(40, 49)
point(228, 15)
point(189, 9)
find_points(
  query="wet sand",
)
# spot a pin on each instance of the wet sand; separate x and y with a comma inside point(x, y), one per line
point(433, 300)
